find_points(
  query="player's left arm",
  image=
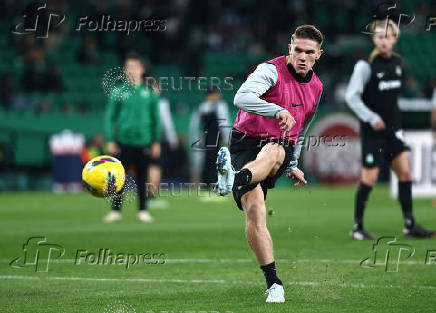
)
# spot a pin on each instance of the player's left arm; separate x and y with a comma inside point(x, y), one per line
point(155, 126)
point(293, 171)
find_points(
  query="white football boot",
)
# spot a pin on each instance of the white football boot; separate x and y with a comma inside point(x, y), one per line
point(276, 294)
point(112, 216)
point(226, 173)
point(144, 216)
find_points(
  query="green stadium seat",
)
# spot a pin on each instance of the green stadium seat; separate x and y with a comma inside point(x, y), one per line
point(30, 149)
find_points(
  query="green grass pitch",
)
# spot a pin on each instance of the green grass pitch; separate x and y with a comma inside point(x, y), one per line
point(209, 267)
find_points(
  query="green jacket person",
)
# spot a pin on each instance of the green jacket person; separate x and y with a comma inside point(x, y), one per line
point(133, 131)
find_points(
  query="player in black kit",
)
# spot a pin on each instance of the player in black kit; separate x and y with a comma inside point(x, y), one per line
point(372, 94)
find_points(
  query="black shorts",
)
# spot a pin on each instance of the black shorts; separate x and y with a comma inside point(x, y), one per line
point(244, 149)
point(381, 148)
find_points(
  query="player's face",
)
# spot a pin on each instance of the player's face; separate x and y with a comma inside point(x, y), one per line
point(134, 70)
point(303, 54)
point(383, 39)
point(214, 97)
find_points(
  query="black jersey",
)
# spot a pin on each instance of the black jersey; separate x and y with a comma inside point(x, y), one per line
point(373, 93)
point(382, 90)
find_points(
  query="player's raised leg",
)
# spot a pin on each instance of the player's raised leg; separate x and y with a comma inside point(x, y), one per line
point(267, 163)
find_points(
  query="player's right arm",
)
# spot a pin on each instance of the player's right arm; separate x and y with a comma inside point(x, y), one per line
point(353, 96)
point(258, 83)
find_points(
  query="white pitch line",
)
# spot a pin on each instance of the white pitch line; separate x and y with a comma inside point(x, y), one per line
point(217, 281)
point(211, 260)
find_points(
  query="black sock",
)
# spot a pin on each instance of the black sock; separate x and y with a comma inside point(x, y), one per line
point(405, 197)
point(269, 271)
point(243, 177)
point(361, 198)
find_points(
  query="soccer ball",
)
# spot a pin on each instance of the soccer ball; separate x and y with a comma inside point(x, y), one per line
point(103, 176)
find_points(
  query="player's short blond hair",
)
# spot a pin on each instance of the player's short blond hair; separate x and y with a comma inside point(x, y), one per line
point(385, 23)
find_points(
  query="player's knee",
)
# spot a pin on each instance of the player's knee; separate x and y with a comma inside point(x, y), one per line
point(255, 214)
point(276, 153)
point(404, 175)
point(370, 179)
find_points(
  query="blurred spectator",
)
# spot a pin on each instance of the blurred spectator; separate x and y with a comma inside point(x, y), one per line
point(67, 108)
point(44, 107)
point(7, 90)
point(88, 52)
point(82, 108)
point(93, 148)
point(53, 79)
point(34, 77)
point(67, 164)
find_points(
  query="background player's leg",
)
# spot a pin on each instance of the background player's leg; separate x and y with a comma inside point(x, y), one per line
point(125, 158)
point(369, 177)
point(257, 233)
point(401, 167)
point(117, 200)
point(141, 163)
point(267, 163)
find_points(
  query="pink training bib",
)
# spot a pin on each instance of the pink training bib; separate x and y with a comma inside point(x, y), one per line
point(298, 98)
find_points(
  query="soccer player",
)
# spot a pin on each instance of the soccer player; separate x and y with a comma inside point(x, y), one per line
point(132, 129)
point(372, 94)
point(277, 102)
point(211, 118)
